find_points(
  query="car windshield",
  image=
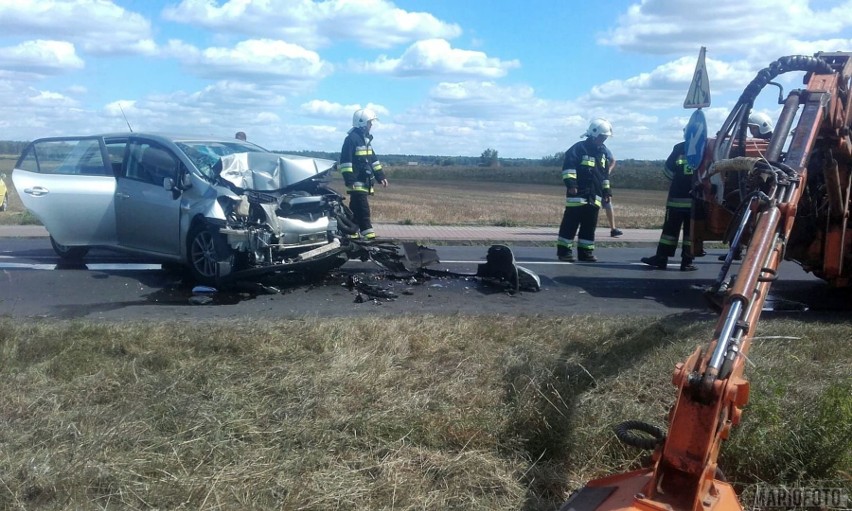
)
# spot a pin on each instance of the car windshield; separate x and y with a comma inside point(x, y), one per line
point(204, 155)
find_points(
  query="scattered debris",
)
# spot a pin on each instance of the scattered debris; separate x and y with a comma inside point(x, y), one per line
point(204, 299)
point(409, 266)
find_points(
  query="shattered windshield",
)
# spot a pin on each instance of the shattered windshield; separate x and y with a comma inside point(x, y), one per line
point(204, 155)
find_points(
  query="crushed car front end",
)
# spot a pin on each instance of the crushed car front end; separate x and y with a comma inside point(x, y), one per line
point(274, 213)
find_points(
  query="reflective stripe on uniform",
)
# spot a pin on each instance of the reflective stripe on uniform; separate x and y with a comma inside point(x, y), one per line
point(359, 186)
point(667, 240)
point(585, 244)
point(588, 161)
point(345, 167)
point(377, 166)
point(569, 174)
point(363, 150)
point(679, 203)
point(564, 242)
point(671, 241)
point(573, 202)
point(683, 162)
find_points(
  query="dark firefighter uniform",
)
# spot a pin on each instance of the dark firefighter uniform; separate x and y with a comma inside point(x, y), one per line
point(678, 208)
point(584, 171)
point(360, 168)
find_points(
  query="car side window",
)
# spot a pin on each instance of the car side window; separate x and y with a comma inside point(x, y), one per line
point(151, 164)
point(115, 149)
point(71, 157)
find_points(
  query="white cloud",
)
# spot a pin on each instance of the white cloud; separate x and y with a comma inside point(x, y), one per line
point(465, 118)
point(48, 99)
point(666, 85)
point(372, 23)
point(327, 109)
point(266, 61)
point(760, 29)
point(244, 95)
point(98, 27)
point(337, 113)
point(436, 57)
point(40, 57)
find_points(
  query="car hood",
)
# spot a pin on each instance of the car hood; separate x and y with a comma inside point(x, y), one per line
point(266, 172)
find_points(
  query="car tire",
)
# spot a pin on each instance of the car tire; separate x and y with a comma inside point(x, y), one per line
point(206, 248)
point(67, 253)
point(5, 204)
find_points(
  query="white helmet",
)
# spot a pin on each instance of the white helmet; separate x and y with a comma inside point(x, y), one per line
point(599, 127)
point(362, 116)
point(760, 121)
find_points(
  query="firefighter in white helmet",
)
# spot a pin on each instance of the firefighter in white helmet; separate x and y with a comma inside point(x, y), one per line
point(585, 172)
point(760, 125)
point(360, 168)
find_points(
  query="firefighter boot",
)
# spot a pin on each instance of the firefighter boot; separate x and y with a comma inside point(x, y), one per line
point(738, 255)
point(586, 256)
point(567, 256)
point(659, 262)
point(686, 264)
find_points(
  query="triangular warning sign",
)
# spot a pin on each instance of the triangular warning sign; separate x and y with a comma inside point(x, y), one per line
point(699, 90)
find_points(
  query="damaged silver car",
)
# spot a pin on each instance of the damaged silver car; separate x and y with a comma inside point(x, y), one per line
point(223, 207)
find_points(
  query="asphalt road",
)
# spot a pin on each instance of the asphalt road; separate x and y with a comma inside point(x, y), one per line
point(112, 286)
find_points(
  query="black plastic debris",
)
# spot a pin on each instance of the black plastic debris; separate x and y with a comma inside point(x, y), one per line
point(420, 255)
point(500, 269)
point(371, 290)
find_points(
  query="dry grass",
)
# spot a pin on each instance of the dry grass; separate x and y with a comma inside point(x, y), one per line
point(421, 202)
point(416, 412)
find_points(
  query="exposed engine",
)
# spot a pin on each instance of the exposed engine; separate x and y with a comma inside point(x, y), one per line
point(281, 210)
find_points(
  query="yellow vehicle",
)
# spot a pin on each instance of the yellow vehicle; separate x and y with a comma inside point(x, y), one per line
point(4, 193)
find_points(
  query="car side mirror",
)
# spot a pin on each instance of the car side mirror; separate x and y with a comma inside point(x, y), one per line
point(169, 186)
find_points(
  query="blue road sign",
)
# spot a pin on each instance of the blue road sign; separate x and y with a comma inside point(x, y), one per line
point(695, 136)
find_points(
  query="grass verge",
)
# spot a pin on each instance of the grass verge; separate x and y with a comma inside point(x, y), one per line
point(415, 412)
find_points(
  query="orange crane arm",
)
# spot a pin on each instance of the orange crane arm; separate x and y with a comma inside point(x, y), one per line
point(683, 474)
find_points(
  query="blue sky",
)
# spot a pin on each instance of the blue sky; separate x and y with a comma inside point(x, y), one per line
point(447, 77)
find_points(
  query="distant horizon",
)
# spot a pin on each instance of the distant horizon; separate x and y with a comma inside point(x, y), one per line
point(444, 77)
point(386, 156)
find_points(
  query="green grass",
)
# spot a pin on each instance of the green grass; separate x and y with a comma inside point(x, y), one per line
point(416, 412)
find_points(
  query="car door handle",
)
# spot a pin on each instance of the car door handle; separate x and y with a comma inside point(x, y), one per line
point(122, 195)
point(36, 191)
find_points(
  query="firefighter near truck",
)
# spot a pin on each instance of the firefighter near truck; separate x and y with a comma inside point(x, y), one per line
point(786, 198)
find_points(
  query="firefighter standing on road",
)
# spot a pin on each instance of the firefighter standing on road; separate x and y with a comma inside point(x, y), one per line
point(585, 173)
point(678, 211)
point(360, 167)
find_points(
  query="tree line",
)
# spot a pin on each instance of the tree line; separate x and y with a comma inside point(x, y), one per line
point(488, 166)
point(12, 147)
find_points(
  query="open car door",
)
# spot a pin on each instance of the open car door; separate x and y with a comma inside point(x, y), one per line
point(68, 184)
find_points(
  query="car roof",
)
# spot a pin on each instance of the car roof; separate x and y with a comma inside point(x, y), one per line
point(163, 137)
point(174, 137)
